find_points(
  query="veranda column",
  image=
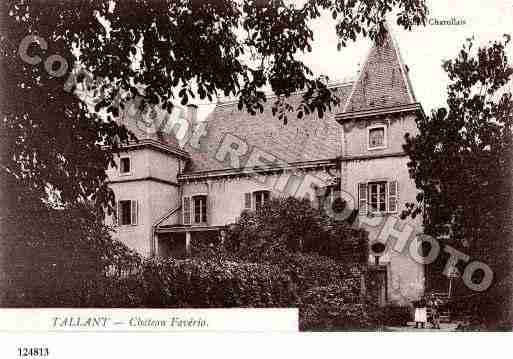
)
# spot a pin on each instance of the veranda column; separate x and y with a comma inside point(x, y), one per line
point(187, 243)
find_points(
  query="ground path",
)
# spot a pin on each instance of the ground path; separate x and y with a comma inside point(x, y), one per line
point(444, 327)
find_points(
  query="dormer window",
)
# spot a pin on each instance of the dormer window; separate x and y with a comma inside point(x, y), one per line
point(124, 166)
point(376, 137)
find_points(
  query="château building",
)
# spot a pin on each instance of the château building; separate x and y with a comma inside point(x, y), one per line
point(172, 192)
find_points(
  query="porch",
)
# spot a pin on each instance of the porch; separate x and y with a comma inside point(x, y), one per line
point(177, 241)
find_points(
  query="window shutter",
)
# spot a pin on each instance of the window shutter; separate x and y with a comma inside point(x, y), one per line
point(134, 213)
point(209, 200)
point(186, 210)
point(362, 198)
point(393, 194)
point(247, 201)
point(115, 215)
point(204, 209)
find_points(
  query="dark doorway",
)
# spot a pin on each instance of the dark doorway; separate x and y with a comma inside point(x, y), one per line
point(172, 245)
point(376, 285)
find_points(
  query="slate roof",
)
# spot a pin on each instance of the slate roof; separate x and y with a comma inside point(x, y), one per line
point(145, 126)
point(383, 82)
point(300, 140)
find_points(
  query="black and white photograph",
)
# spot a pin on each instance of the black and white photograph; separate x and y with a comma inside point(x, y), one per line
point(312, 166)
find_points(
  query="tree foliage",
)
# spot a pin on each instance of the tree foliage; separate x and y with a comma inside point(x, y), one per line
point(461, 159)
point(294, 225)
point(325, 259)
point(60, 257)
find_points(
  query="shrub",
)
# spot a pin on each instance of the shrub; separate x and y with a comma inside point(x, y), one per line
point(395, 315)
point(293, 225)
point(324, 308)
point(305, 270)
point(195, 283)
point(60, 257)
point(313, 270)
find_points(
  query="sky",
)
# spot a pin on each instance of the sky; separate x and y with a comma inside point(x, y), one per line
point(423, 49)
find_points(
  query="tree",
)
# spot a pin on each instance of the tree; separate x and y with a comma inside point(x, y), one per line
point(61, 258)
point(461, 158)
point(293, 225)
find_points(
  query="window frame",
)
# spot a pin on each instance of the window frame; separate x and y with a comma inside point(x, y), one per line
point(375, 127)
point(248, 201)
point(133, 205)
point(254, 195)
point(203, 209)
point(378, 184)
point(388, 196)
point(121, 158)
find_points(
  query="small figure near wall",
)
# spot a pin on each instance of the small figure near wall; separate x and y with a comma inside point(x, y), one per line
point(434, 303)
point(420, 312)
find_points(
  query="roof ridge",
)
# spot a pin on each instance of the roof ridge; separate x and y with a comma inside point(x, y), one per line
point(270, 94)
point(402, 64)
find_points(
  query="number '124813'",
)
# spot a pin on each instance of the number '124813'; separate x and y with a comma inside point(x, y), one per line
point(33, 352)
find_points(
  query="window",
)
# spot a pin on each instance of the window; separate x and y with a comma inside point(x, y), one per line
point(124, 165)
point(376, 137)
point(127, 213)
point(261, 198)
point(378, 197)
point(255, 200)
point(247, 201)
point(200, 209)
point(194, 209)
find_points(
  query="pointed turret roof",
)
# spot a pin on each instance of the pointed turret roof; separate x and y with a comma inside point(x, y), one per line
point(383, 80)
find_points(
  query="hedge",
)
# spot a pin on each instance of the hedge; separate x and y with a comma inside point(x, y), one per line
point(312, 270)
point(194, 283)
point(324, 308)
point(395, 315)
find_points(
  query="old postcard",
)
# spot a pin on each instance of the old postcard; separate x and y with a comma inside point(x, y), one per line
point(196, 166)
